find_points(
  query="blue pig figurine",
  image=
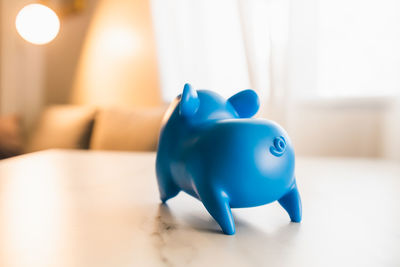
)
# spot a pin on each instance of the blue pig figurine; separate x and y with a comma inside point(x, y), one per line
point(211, 149)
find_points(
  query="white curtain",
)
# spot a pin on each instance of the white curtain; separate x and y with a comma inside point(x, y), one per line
point(222, 45)
point(305, 48)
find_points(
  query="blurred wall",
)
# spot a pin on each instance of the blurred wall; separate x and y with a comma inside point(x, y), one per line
point(22, 68)
point(1, 43)
point(351, 128)
point(63, 53)
point(391, 132)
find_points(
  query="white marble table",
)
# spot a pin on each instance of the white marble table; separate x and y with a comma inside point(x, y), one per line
point(75, 208)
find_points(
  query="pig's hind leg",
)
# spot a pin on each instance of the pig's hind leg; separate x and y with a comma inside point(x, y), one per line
point(217, 204)
point(291, 202)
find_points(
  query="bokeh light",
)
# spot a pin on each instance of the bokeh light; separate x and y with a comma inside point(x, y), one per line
point(37, 24)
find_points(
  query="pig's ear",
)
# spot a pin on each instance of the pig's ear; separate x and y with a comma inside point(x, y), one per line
point(189, 101)
point(246, 103)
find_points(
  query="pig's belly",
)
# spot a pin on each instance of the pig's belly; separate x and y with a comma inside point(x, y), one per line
point(242, 195)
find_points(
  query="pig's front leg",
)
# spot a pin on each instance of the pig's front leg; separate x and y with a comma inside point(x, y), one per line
point(167, 187)
point(291, 202)
point(217, 204)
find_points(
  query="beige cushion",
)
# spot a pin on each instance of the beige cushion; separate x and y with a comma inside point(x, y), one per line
point(65, 126)
point(135, 129)
point(10, 136)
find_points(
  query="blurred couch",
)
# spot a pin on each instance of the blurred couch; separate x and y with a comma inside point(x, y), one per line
point(80, 127)
point(10, 136)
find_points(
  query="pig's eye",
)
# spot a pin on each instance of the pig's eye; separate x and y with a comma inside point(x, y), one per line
point(279, 146)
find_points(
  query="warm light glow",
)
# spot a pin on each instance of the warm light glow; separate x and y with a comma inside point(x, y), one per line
point(118, 62)
point(37, 24)
point(118, 42)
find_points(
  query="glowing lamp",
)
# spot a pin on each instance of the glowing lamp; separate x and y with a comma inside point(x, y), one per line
point(37, 24)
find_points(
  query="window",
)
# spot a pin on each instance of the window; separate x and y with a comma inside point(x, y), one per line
point(346, 48)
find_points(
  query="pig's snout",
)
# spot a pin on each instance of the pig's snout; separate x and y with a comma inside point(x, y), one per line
point(279, 146)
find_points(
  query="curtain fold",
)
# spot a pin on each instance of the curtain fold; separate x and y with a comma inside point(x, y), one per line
point(224, 45)
point(200, 42)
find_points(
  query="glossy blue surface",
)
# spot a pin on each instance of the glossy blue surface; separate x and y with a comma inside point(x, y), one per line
point(211, 149)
